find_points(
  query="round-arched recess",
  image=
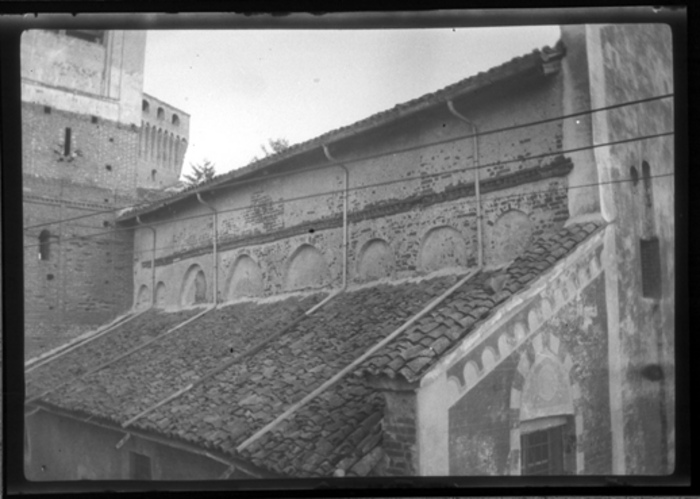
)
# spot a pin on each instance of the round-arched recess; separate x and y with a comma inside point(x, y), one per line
point(375, 260)
point(160, 294)
point(143, 298)
point(443, 247)
point(194, 287)
point(306, 269)
point(246, 279)
point(510, 236)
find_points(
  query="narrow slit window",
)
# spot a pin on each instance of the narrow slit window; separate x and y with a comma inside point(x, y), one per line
point(45, 245)
point(66, 141)
point(651, 267)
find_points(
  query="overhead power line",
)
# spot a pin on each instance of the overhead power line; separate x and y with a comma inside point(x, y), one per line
point(382, 154)
point(514, 195)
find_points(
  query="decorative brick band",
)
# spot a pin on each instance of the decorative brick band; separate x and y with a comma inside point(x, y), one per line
point(559, 167)
point(560, 292)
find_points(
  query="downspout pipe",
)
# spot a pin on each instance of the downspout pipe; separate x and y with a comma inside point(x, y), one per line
point(215, 254)
point(345, 213)
point(153, 261)
point(475, 137)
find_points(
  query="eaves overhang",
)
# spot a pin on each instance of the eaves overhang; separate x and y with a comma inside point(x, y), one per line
point(542, 62)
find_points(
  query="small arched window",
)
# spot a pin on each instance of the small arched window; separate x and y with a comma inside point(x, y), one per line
point(160, 114)
point(44, 245)
point(175, 120)
point(153, 175)
point(145, 106)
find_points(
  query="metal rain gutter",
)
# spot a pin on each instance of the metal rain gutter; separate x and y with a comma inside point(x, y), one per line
point(345, 213)
point(153, 262)
point(215, 255)
point(475, 136)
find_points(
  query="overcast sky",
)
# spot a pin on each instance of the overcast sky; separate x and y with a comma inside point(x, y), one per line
point(242, 88)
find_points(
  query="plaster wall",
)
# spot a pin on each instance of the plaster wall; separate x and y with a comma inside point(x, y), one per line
point(79, 76)
point(469, 409)
point(630, 62)
point(271, 218)
point(61, 448)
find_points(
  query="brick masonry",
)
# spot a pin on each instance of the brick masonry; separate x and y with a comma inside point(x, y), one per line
point(87, 279)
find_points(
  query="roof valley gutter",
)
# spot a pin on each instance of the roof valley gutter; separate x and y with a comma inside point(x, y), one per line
point(153, 262)
point(353, 365)
point(119, 357)
point(120, 321)
point(160, 440)
point(215, 255)
point(475, 137)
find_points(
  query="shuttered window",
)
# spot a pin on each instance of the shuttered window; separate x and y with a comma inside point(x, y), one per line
point(543, 452)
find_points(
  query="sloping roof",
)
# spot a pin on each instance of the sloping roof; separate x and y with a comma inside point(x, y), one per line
point(102, 349)
point(137, 382)
point(414, 352)
point(516, 67)
point(339, 429)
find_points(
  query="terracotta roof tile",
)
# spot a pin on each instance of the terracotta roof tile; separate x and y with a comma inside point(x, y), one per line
point(410, 361)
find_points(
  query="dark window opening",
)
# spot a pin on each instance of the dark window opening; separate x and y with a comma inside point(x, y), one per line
point(646, 176)
point(106, 200)
point(108, 168)
point(47, 109)
point(111, 139)
point(160, 113)
point(93, 119)
point(44, 245)
point(175, 120)
point(153, 175)
point(89, 35)
point(543, 452)
point(67, 141)
point(651, 267)
point(635, 176)
point(49, 277)
point(145, 106)
point(140, 466)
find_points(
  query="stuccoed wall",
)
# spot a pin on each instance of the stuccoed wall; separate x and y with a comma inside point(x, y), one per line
point(631, 62)
point(75, 75)
point(470, 406)
point(270, 220)
point(61, 448)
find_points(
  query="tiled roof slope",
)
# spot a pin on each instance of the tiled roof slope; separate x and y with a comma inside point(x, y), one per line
point(232, 406)
point(98, 351)
point(415, 351)
point(139, 381)
point(510, 69)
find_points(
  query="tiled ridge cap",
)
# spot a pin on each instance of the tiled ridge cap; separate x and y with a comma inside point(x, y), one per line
point(509, 69)
point(420, 347)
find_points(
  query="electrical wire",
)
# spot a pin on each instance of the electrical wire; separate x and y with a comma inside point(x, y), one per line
point(397, 151)
point(379, 184)
point(490, 199)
